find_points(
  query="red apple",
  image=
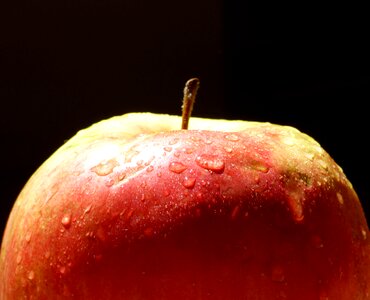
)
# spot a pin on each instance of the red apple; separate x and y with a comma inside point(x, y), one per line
point(135, 208)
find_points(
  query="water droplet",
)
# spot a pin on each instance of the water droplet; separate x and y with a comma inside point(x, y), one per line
point(31, 275)
point(189, 182)
point(211, 162)
point(109, 182)
point(19, 258)
point(295, 206)
point(167, 149)
point(340, 198)
point(66, 221)
point(288, 140)
point(310, 156)
point(28, 237)
point(188, 150)
point(364, 233)
point(100, 234)
point(159, 174)
point(121, 176)
point(177, 167)
point(87, 209)
point(149, 169)
point(323, 165)
point(62, 270)
point(47, 255)
point(277, 273)
point(105, 167)
point(98, 257)
point(259, 166)
point(173, 141)
point(232, 137)
point(317, 241)
point(228, 149)
point(235, 212)
point(149, 232)
point(208, 142)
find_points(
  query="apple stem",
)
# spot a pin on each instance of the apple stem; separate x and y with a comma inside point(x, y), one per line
point(190, 92)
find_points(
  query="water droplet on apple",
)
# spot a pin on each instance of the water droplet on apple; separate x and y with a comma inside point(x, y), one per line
point(277, 273)
point(323, 296)
point(189, 182)
point(317, 241)
point(364, 233)
point(109, 182)
point(177, 167)
point(259, 166)
point(232, 137)
point(210, 162)
point(121, 176)
point(340, 198)
point(31, 275)
point(149, 168)
point(228, 149)
point(323, 165)
point(62, 269)
point(167, 149)
point(149, 232)
point(105, 168)
point(47, 255)
point(87, 209)
point(295, 206)
point(66, 221)
point(19, 258)
point(28, 237)
point(173, 141)
point(235, 212)
point(208, 142)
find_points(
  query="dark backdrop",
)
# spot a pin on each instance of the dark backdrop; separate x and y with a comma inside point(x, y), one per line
point(65, 64)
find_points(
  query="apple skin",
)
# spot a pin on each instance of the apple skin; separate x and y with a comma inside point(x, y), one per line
point(132, 208)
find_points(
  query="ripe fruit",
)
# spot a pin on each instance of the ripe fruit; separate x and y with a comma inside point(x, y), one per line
point(132, 208)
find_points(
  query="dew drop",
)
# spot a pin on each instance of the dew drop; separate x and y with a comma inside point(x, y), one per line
point(317, 241)
point(177, 167)
point(173, 141)
point(121, 176)
point(149, 169)
point(19, 258)
point(295, 206)
point(232, 137)
point(66, 221)
point(340, 198)
point(109, 182)
point(62, 270)
point(189, 182)
point(210, 162)
point(259, 166)
point(364, 233)
point(149, 232)
point(228, 149)
point(87, 209)
point(105, 167)
point(31, 275)
point(28, 237)
point(167, 149)
point(277, 273)
point(235, 212)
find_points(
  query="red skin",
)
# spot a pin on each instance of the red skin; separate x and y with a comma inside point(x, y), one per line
point(188, 215)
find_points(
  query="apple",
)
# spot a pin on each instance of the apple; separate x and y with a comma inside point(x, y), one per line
point(141, 207)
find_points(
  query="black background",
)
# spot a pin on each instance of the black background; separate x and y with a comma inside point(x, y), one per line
point(66, 64)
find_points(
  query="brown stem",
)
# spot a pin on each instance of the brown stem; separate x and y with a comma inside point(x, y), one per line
point(190, 92)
